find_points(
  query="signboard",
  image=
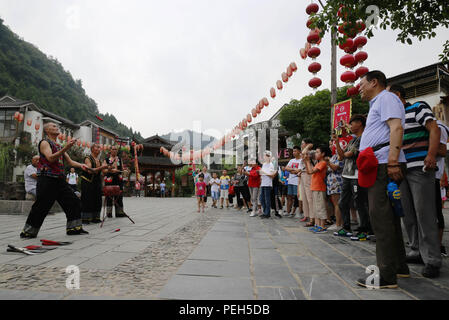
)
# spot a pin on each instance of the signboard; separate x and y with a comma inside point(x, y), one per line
point(341, 111)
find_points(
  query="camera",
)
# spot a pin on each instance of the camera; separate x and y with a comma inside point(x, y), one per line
point(312, 155)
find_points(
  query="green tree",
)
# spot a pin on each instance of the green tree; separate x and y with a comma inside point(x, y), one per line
point(311, 116)
point(411, 18)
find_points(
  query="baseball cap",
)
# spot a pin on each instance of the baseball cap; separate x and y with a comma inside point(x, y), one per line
point(367, 164)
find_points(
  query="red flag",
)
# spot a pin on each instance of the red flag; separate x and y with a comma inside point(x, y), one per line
point(99, 118)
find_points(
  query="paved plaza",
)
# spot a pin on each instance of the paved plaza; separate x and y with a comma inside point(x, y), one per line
point(173, 252)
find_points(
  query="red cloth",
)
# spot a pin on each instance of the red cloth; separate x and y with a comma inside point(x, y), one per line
point(367, 164)
point(200, 188)
point(254, 178)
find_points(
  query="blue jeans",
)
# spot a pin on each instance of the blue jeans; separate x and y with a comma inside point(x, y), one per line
point(266, 200)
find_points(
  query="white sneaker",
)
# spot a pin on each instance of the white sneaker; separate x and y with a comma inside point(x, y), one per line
point(253, 214)
point(285, 213)
point(333, 227)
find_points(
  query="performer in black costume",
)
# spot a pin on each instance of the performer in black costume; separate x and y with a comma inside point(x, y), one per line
point(91, 187)
point(52, 186)
point(113, 177)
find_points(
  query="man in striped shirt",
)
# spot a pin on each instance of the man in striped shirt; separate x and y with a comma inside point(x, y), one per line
point(420, 145)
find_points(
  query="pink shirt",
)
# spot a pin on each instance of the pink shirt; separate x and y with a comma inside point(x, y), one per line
point(200, 188)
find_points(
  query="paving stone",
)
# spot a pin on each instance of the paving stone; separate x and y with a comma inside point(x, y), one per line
point(352, 250)
point(326, 287)
point(349, 273)
point(224, 253)
point(390, 294)
point(276, 275)
point(256, 243)
point(207, 288)
point(271, 256)
point(215, 268)
point(306, 264)
point(265, 293)
point(29, 295)
point(284, 239)
point(132, 246)
point(424, 289)
point(106, 260)
point(93, 250)
point(258, 235)
point(288, 249)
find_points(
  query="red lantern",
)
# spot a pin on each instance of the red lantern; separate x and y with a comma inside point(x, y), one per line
point(20, 118)
point(347, 44)
point(37, 126)
point(360, 42)
point(289, 71)
point(293, 66)
point(347, 60)
point(29, 123)
point(360, 26)
point(310, 23)
point(351, 50)
point(361, 56)
point(265, 102)
point(258, 110)
point(279, 84)
point(315, 83)
point(284, 77)
point(78, 143)
point(348, 77)
point(261, 105)
point(249, 118)
point(254, 113)
point(314, 67)
point(16, 115)
point(303, 53)
point(273, 93)
point(312, 8)
point(313, 37)
point(314, 52)
point(361, 71)
point(352, 91)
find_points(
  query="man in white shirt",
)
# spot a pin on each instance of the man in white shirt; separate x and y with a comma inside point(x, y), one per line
point(30, 176)
point(267, 173)
point(294, 168)
point(72, 179)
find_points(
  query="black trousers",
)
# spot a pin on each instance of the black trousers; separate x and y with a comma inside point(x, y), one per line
point(390, 249)
point(352, 192)
point(49, 190)
point(242, 193)
point(439, 203)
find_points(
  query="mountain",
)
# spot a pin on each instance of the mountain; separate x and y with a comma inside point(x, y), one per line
point(190, 137)
point(28, 74)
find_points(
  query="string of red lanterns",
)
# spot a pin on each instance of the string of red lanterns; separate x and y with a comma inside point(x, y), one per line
point(311, 49)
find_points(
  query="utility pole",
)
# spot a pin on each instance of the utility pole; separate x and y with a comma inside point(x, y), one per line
point(333, 73)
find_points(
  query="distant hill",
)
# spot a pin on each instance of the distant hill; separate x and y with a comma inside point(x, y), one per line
point(28, 74)
point(189, 136)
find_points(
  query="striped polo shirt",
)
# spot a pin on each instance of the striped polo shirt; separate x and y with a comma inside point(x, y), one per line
point(416, 136)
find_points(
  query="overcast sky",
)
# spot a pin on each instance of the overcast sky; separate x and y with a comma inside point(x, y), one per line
point(160, 66)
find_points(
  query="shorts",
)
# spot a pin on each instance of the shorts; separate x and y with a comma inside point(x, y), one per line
point(284, 190)
point(215, 195)
point(319, 204)
point(200, 196)
point(224, 194)
point(292, 190)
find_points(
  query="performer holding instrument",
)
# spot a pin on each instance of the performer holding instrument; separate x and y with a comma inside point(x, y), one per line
point(113, 177)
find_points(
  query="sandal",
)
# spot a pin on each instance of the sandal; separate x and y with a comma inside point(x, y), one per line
point(309, 224)
point(304, 219)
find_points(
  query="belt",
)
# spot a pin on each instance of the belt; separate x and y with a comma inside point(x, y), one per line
point(380, 146)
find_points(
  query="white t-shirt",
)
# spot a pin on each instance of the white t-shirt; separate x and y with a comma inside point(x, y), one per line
point(162, 186)
point(30, 183)
point(72, 178)
point(295, 164)
point(440, 160)
point(267, 168)
point(214, 186)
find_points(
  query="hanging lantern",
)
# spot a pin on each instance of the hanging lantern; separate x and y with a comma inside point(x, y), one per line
point(351, 50)
point(258, 110)
point(279, 84)
point(348, 77)
point(360, 26)
point(347, 44)
point(78, 143)
point(303, 53)
point(347, 60)
point(312, 9)
point(314, 67)
point(37, 126)
point(265, 102)
point(310, 23)
point(352, 91)
point(20, 118)
point(249, 118)
point(289, 71)
point(284, 77)
point(315, 83)
point(361, 56)
point(293, 66)
point(360, 42)
point(361, 71)
point(313, 37)
point(273, 93)
point(254, 113)
point(314, 52)
point(16, 115)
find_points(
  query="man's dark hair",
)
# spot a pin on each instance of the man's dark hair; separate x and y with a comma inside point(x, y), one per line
point(327, 151)
point(307, 140)
point(297, 148)
point(201, 175)
point(378, 75)
point(398, 88)
point(358, 117)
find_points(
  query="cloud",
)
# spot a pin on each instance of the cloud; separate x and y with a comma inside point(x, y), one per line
point(161, 65)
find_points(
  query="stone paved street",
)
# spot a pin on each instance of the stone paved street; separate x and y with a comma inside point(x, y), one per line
point(172, 252)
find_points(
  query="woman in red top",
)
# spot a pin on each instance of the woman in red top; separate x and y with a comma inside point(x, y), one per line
point(254, 181)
